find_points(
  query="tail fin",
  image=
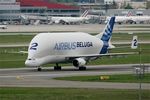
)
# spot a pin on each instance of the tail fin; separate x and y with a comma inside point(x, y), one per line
point(107, 32)
point(134, 43)
point(129, 13)
point(85, 13)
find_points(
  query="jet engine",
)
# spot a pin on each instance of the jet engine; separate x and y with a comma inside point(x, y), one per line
point(79, 62)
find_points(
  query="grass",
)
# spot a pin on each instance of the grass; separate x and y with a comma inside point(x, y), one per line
point(127, 37)
point(15, 38)
point(70, 94)
point(12, 60)
point(127, 78)
point(15, 60)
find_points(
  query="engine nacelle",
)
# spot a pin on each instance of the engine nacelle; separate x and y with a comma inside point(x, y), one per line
point(79, 62)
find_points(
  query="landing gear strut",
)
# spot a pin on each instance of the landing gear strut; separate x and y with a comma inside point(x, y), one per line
point(39, 69)
point(82, 68)
point(57, 67)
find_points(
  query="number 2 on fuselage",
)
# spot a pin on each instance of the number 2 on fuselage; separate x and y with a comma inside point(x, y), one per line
point(34, 46)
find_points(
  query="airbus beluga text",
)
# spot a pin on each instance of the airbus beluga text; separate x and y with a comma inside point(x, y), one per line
point(75, 47)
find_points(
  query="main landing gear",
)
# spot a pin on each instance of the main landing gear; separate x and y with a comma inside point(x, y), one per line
point(57, 67)
point(39, 69)
point(82, 68)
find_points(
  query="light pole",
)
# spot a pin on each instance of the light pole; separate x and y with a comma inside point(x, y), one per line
point(106, 7)
point(141, 73)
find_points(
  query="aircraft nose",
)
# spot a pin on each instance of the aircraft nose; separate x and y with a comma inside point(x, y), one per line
point(30, 63)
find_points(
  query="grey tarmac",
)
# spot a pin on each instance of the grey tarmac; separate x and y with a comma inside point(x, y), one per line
point(90, 28)
point(29, 77)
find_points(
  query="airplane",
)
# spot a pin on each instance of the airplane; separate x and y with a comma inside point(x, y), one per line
point(130, 18)
point(139, 19)
point(3, 26)
point(34, 19)
point(75, 47)
point(71, 20)
point(119, 19)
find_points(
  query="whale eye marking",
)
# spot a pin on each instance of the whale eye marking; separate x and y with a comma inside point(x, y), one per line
point(34, 46)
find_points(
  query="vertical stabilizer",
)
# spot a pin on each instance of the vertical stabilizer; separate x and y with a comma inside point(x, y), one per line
point(107, 32)
point(129, 13)
point(105, 36)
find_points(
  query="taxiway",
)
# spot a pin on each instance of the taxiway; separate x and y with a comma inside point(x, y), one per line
point(29, 77)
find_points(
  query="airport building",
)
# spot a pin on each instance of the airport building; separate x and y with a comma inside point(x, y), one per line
point(42, 7)
point(11, 10)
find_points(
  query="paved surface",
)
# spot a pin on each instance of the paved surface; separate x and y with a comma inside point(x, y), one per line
point(90, 28)
point(29, 77)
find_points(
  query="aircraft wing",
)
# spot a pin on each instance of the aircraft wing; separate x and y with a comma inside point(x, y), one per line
point(23, 52)
point(20, 52)
point(100, 55)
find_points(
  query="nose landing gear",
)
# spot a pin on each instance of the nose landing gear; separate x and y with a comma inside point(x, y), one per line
point(57, 67)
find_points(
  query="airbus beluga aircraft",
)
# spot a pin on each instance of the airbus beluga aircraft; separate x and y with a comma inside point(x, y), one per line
point(75, 47)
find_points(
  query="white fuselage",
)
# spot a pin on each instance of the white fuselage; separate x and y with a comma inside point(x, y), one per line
point(119, 19)
point(56, 47)
point(3, 26)
point(68, 19)
point(122, 19)
point(140, 18)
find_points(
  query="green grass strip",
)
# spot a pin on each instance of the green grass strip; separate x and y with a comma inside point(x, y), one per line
point(70, 94)
point(109, 78)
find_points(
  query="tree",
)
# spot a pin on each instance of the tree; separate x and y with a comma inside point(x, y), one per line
point(128, 6)
point(148, 5)
point(114, 5)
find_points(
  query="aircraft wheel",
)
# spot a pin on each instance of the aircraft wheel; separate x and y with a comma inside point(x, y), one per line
point(39, 69)
point(82, 68)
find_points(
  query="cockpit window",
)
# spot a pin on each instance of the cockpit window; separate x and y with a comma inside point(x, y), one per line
point(31, 59)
